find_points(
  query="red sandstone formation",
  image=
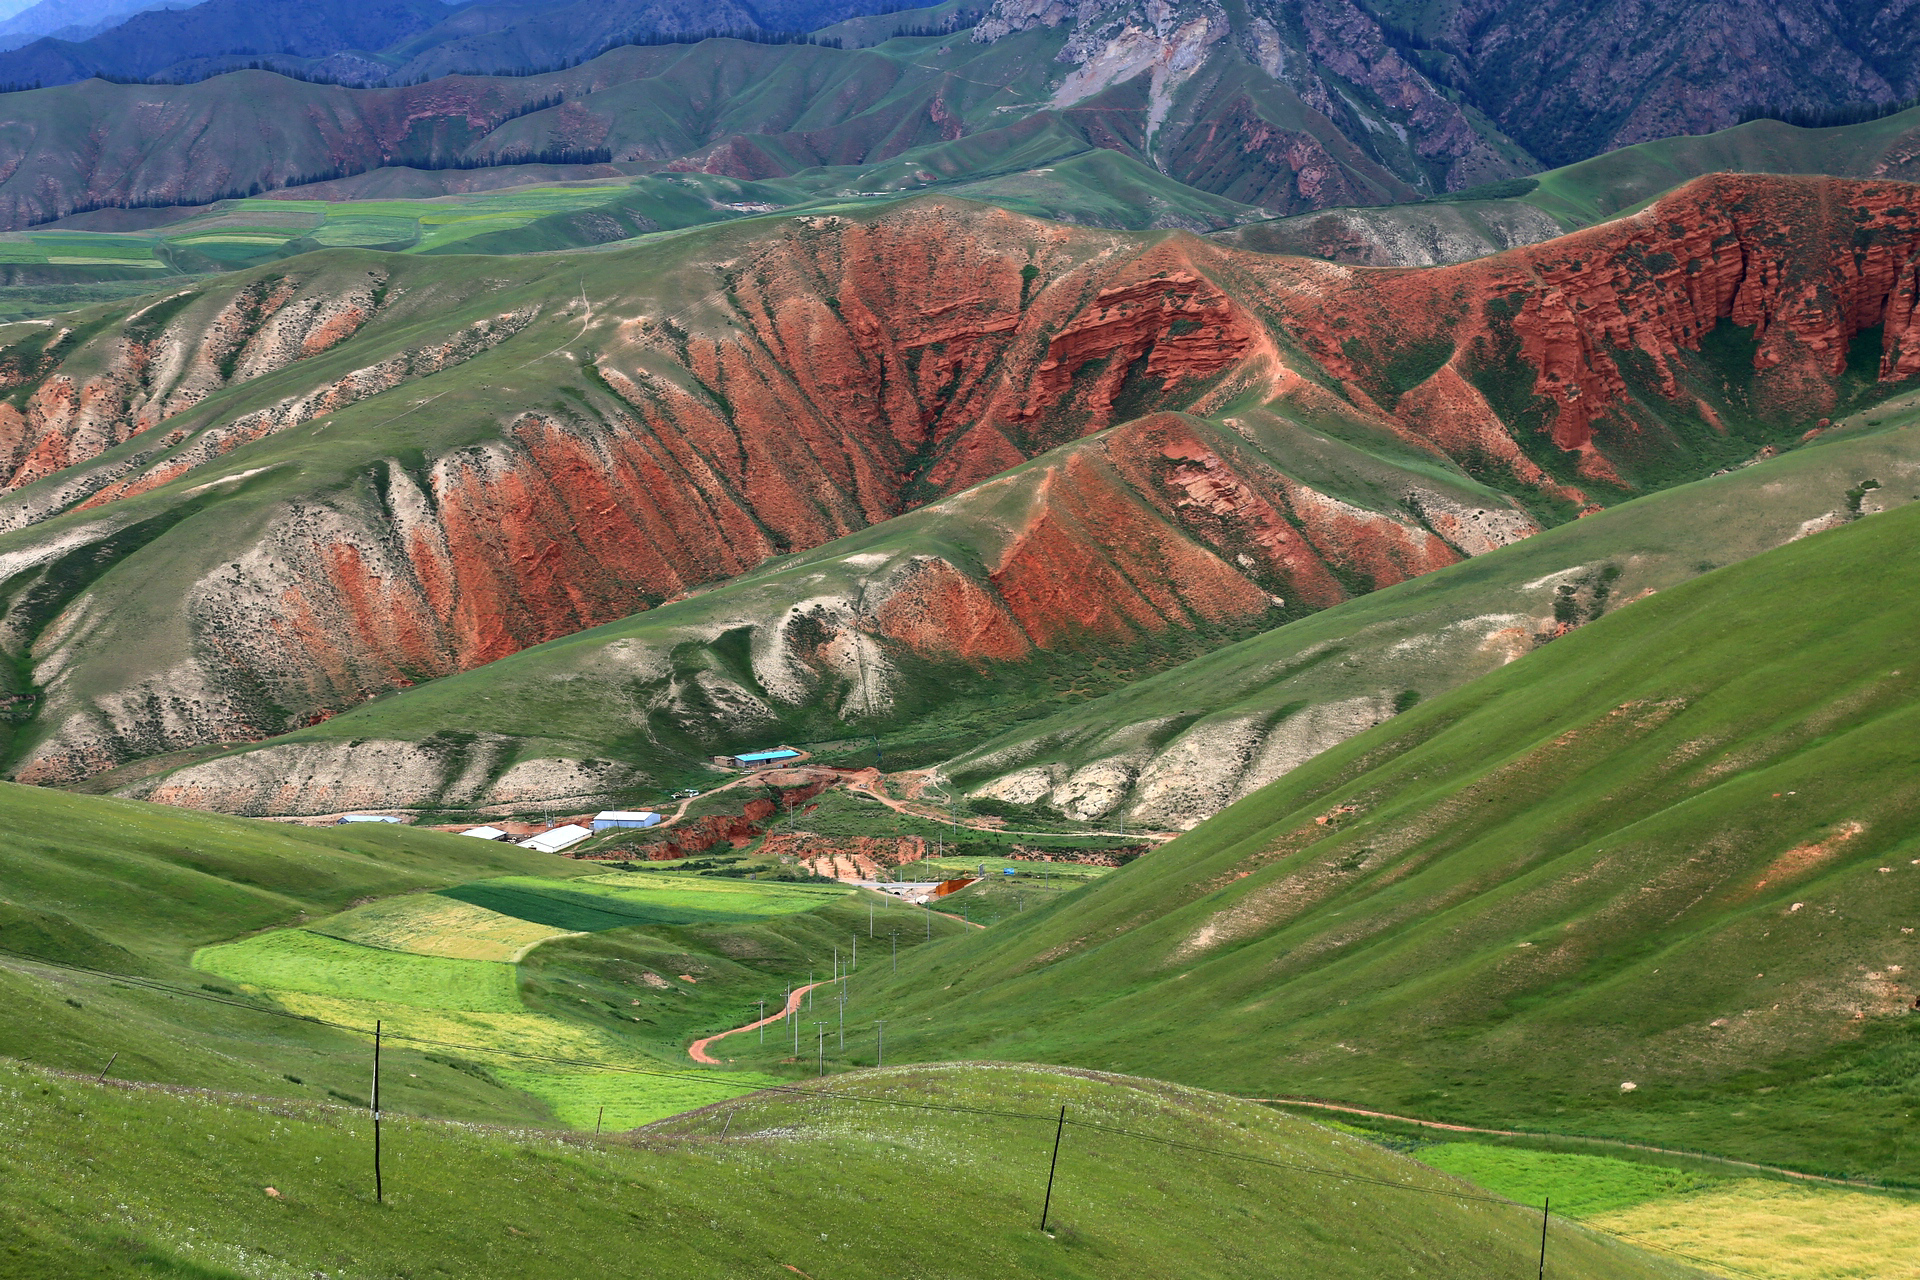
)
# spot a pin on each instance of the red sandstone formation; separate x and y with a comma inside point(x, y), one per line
point(857, 369)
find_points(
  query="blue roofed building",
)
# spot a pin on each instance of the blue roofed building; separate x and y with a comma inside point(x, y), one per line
point(757, 759)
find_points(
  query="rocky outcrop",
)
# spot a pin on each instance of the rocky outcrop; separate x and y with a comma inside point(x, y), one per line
point(1564, 90)
point(89, 395)
point(1429, 234)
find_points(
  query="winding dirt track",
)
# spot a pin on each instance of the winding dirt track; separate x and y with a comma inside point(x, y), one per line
point(1564, 1137)
point(698, 1049)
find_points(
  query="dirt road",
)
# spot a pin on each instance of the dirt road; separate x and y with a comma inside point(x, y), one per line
point(1561, 1137)
point(698, 1049)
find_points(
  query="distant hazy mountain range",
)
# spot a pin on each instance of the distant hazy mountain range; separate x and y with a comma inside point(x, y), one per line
point(1493, 82)
point(362, 41)
point(70, 19)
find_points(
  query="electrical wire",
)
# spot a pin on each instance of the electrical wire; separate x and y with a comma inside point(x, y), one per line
point(841, 1095)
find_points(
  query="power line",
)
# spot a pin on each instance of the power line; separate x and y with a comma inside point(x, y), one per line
point(838, 1095)
point(802, 1090)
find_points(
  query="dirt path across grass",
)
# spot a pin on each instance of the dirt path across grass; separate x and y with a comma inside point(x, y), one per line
point(1563, 1137)
point(698, 1049)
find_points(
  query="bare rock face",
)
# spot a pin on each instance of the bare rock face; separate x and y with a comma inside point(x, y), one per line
point(1255, 108)
point(538, 463)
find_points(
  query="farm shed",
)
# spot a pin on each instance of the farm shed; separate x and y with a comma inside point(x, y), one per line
point(756, 759)
point(485, 833)
point(613, 819)
point(557, 839)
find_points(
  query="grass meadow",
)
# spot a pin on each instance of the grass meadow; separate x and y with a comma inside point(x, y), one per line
point(624, 900)
point(294, 960)
point(107, 1181)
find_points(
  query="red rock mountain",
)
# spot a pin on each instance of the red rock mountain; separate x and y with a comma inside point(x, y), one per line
point(267, 498)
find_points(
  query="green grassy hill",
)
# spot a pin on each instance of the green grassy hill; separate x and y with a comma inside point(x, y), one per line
point(130, 889)
point(1656, 880)
point(175, 945)
point(1177, 746)
point(934, 1172)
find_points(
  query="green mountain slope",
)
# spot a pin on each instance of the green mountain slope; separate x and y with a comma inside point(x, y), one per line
point(1656, 880)
point(1458, 227)
point(941, 1185)
point(1178, 746)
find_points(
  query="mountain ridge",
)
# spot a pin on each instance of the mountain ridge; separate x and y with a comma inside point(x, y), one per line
point(1550, 380)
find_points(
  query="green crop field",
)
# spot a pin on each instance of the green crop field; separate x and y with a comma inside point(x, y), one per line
point(619, 901)
point(1580, 1186)
point(112, 1182)
point(430, 924)
point(1024, 870)
point(295, 960)
point(997, 897)
point(622, 1100)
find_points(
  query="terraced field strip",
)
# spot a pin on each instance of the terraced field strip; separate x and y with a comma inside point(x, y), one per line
point(430, 924)
point(596, 903)
point(294, 960)
point(1618, 1143)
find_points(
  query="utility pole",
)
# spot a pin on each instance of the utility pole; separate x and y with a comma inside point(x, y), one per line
point(856, 951)
point(843, 1017)
point(869, 917)
point(880, 1054)
point(820, 1029)
point(379, 1189)
point(1048, 1204)
point(896, 951)
point(809, 991)
point(763, 1022)
point(1545, 1209)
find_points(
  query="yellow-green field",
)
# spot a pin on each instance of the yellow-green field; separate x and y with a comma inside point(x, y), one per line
point(1782, 1231)
point(593, 903)
point(429, 924)
point(437, 969)
point(1752, 1226)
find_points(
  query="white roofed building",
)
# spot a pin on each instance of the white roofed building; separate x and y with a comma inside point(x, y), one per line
point(558, 839)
